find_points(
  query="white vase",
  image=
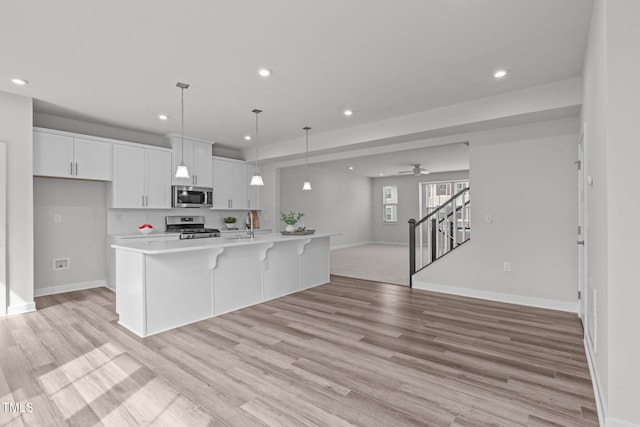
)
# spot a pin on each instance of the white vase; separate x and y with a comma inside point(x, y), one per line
point(290, 228)
point(230, 225)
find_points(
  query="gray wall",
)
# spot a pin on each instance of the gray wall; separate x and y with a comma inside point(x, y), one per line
point(526, 179)
point(610, 119)
point(16, 129)
point(339, 202)
point(408, 203)
point(70, 125)
point(81, 236)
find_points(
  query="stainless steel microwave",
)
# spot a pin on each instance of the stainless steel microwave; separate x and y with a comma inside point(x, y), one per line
point(185, 196)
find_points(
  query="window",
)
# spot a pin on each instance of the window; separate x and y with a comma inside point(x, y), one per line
point(390, 203)
point(434, 194)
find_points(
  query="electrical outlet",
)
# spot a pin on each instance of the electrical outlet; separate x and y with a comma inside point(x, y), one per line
point(507, 266)
point(57, 218)
point(61, 263)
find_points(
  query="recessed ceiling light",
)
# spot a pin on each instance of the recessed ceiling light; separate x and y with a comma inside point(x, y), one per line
point(348, 112)
point(18, 81)
point(350, 168)
point(381, 174)
point(247, 137)
point(163, 117)
point(264, 72)
point(500, 74)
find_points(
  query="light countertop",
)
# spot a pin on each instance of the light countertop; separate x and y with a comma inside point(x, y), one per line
point(154, 233)
point(186, 245)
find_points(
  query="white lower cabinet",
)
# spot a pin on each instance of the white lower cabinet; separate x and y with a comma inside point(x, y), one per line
point(141, 178)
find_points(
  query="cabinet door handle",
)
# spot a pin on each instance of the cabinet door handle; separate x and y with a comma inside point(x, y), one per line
point(142, 200)
point(71, 168)
point(146, 200)
point(76, 168)
point(249, 204)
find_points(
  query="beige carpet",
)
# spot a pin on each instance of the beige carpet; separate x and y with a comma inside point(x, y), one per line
point(377, 262)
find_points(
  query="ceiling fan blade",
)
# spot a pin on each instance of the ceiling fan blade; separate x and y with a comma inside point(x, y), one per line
point(424, 172)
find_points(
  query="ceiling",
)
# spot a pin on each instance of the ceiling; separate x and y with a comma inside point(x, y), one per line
point(441, 158)
point(117, 62)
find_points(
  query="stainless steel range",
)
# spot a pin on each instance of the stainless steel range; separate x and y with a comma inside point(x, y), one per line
point(190, 227)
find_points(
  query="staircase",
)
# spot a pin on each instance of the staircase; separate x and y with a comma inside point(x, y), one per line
point(440, 232)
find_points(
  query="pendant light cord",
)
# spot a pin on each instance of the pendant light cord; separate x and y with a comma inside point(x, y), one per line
point(307, 129)
point(182, 130)
point(256, 111)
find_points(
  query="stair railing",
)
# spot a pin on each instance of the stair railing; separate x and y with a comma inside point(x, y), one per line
point(439, 232)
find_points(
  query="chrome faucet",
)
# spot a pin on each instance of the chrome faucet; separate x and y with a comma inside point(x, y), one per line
point(251, 231)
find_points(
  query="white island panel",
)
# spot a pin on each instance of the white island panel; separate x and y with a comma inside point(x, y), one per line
point(181, 292)
point(314, 263)
point(130, 298)
point(237, 278)
point(281, 270)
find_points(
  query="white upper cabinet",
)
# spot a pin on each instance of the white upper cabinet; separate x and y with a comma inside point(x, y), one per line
point(141, 178)
point(197, 157)
point(63, 155)
point(229, 184)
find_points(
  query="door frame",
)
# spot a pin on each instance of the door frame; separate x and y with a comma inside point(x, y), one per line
point(582, 232)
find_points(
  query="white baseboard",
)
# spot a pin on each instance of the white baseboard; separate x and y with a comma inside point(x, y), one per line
point(595, 380)
point(21, 308)
point(571, 307)
point(58, 289)
point(350, 245)
point(391, 243)
point(615, 422)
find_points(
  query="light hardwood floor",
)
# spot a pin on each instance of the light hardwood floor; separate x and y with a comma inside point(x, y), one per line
point(346, 353)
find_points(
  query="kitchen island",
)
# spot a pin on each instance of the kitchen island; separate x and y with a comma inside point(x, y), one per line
point(165, 284)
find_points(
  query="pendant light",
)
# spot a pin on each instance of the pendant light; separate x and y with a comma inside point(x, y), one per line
point(182, 171)
point(307, 184)
point(256, 179)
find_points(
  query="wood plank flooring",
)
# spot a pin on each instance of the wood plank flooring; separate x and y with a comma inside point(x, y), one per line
point(350, 352)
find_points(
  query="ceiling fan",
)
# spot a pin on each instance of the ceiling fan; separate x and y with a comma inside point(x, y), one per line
point(417, 170)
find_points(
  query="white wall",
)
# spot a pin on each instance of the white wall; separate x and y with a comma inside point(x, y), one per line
point(610, 116)
point(3, 228)
point(623, 153)
point(16, 125)
point(49, 121)
point(594, 118)
point(81, 236)
point(525, 178)
point(339, 202)
point(408, 203)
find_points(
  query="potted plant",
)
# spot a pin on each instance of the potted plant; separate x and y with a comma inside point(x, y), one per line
point(291, 219)
point(230, 221)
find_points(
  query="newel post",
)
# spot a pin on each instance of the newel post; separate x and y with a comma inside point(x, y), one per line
point(412, 250)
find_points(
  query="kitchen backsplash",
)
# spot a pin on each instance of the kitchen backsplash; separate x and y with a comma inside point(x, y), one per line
point(125, 221)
